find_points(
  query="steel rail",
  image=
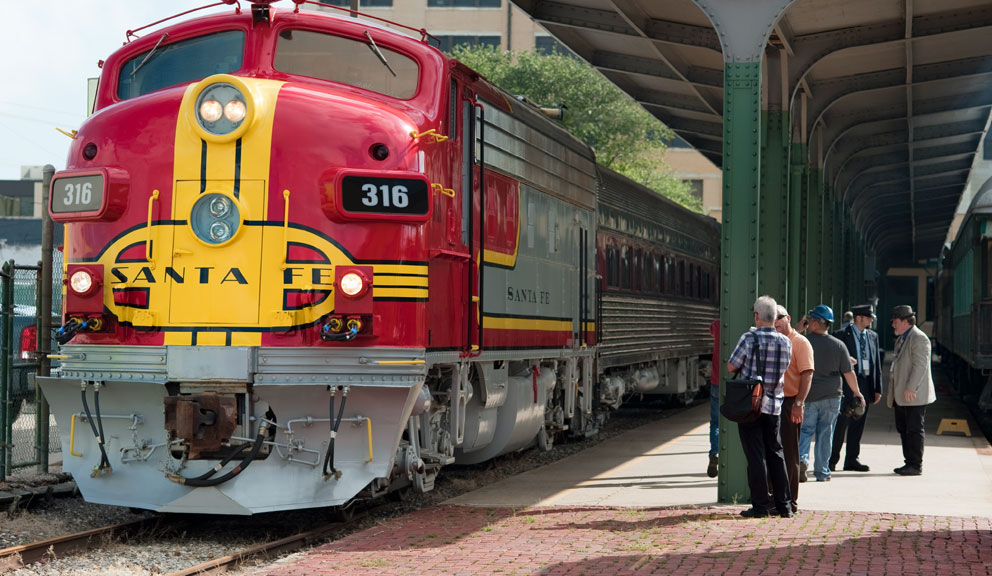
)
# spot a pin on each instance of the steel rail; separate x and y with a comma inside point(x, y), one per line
point(17, 557)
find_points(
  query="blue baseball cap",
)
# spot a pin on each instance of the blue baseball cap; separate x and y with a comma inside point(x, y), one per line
point(822, 312)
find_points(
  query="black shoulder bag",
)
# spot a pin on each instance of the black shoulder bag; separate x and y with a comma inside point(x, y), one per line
point(742, 396)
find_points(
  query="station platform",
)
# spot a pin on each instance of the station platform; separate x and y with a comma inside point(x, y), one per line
point(641, 503)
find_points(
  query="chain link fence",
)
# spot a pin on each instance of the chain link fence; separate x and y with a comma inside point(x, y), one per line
point(25, 424)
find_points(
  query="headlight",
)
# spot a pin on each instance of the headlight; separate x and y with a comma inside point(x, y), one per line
point(81, 282)
point(352, 284)
point(220, 206)
point(215, 219)
point(221, 108)
point(210, 110)
point(235, 111)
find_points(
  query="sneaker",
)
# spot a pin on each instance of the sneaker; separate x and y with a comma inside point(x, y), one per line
point(856, 467)
point(802, 471)
point(755, 513)
point(713, 468)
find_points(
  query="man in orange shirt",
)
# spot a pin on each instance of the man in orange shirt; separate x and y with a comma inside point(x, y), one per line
point(798, 377)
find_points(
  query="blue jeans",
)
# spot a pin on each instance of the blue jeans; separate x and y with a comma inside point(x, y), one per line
point(714, 420)
point(819, 419)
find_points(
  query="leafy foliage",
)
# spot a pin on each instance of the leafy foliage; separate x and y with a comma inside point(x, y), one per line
point(625, 137)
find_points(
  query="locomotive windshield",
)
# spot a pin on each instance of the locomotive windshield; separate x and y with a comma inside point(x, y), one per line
point(360, 63)
point(185, 61)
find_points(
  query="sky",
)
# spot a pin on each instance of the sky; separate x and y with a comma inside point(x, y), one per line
point(50, 48)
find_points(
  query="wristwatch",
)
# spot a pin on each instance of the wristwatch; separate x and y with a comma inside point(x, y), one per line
point(799, 403)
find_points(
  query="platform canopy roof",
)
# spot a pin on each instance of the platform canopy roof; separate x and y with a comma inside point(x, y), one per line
point(897, 93)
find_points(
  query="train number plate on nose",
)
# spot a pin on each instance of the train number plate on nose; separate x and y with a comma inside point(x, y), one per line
point(77, 194)
point(393, 196)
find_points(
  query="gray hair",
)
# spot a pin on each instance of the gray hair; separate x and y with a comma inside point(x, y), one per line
point(782, 311)
point(764, 307)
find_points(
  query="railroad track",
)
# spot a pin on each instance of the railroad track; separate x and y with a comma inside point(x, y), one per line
point(17, 557)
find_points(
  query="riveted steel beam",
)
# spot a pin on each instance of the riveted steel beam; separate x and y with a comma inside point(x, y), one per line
point(830, 91)
point(739, 245)
point(796, 300)
point(811, 48)
point(704, 76)
point(773, 272)
point(659, 98)
point(625, 22)
point(699, 128)
point(949, 184)
point(614, 62)
point(841, 124)
point(922, 157)
point(853, 148)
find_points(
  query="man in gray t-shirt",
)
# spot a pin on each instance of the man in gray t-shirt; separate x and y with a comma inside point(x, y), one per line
point(832, 369)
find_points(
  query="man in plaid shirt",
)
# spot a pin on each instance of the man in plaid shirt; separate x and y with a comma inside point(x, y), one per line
point(761, 439)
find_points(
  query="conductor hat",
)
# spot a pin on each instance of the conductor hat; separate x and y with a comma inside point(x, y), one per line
point(864, 310)
point(903, 311)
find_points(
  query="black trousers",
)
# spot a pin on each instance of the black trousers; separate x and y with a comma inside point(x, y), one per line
point(763, 450)
point(855, 429)
point(909, 424)
point(790, 447)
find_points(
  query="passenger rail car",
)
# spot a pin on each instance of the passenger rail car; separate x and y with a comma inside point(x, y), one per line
point(312, 259)
point(963, 326)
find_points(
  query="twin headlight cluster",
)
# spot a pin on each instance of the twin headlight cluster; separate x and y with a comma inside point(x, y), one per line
point(215, 218)
point(221, 108)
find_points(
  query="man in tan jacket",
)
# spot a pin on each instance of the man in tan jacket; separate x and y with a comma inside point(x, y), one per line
point(910, 387)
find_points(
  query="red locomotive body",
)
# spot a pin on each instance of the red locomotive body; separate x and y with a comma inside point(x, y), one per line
point(312, 259)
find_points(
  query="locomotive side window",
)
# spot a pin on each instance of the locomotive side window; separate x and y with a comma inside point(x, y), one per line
point(183, 61)
point(363, 64)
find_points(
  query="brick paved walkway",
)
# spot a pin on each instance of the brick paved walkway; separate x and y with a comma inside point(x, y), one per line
point(457, 540)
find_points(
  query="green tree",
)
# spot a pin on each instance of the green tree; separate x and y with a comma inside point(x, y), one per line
point(625, 137)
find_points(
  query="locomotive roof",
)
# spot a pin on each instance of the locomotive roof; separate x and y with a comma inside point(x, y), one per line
point(279, 17)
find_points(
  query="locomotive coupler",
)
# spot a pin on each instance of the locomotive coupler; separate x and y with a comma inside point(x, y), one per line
point(204, 421)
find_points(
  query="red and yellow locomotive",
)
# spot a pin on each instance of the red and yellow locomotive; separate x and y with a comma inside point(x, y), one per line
point(310, 259)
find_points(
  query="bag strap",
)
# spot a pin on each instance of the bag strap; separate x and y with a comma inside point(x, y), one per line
point(758, 362)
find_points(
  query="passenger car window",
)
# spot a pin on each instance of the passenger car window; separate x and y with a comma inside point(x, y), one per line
point(348, 61)
point(179, 62)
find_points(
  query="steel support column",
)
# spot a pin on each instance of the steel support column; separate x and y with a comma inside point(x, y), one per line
point(773, 218)
point(814, 239)
point(829, 262)
point(796, 301)
point(739, 250)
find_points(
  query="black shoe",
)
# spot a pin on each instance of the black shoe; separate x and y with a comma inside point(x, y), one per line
point(856, 467)
point(713, 469)
point(786, 513)
point(755, 513)
point(802, 472)
point(908, 471)
point(833, 465)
